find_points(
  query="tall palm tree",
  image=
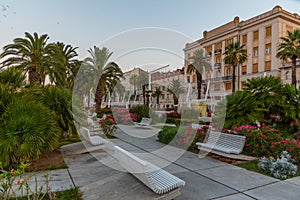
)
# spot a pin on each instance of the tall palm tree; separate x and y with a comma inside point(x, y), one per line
point(199, 63)
point(133, 80)
point(290, 48)
point(102, 72)
point(176, 88)
point(157, 93)
point(142, 83)
point(30, 54)
point(235, 54)
point(64, 59)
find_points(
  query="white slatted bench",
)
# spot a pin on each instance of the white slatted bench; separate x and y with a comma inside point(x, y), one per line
point(152, 176)
point(94, 140)
point(227, 143)
point(145, 122)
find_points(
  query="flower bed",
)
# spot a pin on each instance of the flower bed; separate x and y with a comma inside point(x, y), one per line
point(108, 125)
point(266, 141)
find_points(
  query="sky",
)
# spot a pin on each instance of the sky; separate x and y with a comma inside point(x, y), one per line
point(149, 33)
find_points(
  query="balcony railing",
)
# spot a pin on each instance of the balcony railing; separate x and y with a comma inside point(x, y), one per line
point(217, 65)
point(223, 78)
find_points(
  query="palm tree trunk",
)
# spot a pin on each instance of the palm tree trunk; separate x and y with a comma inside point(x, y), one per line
point(144, 94)
point(294, 71)
point(34, 76)
point(175, 102)
point(157, 100)
point(199, 84)
point(98, 98)
point(233, 77)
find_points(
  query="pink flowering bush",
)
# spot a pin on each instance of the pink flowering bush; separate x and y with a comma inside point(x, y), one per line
point(191, 136)
point(123, 116)
point(266, 141)
point(108, 125)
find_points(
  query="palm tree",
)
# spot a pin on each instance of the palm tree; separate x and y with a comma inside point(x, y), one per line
point(142, 82)
point(133, 80)
point(102, 72)
point(157, 93)
point(199, 63)
point(176, 88)
point(235, 54)
point(30, 54)
point(290, 48)
point(63, 57)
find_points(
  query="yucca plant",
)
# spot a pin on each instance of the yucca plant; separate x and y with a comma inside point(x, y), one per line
point(28, 130)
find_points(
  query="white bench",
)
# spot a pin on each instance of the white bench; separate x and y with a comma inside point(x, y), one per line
point(228, 143)
point(145, 122)
point(94, 140)
point(152, 176)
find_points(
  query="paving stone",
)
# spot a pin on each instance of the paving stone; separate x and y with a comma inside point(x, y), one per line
point(277, 191)
point(238, 196)
point(198, 187)
point(236, 177)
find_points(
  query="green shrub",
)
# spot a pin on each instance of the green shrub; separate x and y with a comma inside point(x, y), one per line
point(167, 134)
point(140, 111)
point(60, 101)
point(28, 130)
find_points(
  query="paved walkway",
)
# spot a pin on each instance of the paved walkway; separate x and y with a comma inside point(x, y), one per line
point(99, 176)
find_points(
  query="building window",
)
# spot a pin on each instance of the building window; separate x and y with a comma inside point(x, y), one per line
point(162, 96)
point(268, 31)
point(229, 41)
point(163, 88)
point(228, 72)
point(244, 40)
point(255, 51)
point(168, 96)
point(218, 48)
point(228, 86)
point(194, 78)
point(255, 35)
point(268, 48)
point(244, 69)
point(218, 74)
point(255, 68)
point(287, 76)
point(267, 66)
point(243, 84)
point(218, 60)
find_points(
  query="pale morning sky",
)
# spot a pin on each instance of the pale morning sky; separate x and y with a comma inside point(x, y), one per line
point(85, 23)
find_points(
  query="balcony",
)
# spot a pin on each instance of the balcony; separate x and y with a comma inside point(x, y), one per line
point(218, 51)
point(217, 65)
point(226, 78)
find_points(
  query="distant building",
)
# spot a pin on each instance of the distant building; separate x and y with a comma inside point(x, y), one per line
point(163, 81)
point(261, 37)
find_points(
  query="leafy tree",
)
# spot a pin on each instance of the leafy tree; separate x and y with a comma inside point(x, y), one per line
point(31, 54)
point(176, 88)
point(290, 48)
point(235, 54)
point(157, 93)
point(102, 72)
point(199, 63)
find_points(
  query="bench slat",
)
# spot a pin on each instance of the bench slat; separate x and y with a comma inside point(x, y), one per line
point(224, 142)
point(155, 178)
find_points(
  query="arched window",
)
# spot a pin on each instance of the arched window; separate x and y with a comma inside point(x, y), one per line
point(228, 72)
point(287, 75)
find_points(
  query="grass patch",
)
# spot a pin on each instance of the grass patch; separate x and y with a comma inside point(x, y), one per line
point(73, 194)
point(252, 166)
point(70, 140)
